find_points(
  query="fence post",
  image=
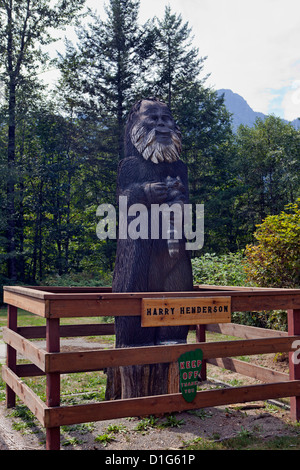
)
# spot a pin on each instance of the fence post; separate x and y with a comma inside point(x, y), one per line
point(11, 358)
point(294, 369)
point(52, 381)
point(201, 338)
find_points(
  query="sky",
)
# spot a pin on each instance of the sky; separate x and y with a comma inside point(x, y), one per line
point(252, 47)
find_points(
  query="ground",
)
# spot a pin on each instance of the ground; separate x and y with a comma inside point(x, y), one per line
point(263, 421)
point(216, 424)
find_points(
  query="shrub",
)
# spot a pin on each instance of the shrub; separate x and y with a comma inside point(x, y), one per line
point(82, 279)
point(275, 260)
point(230, 270)
point(219, 269)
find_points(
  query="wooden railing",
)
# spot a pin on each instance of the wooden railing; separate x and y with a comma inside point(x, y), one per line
point(55, 303)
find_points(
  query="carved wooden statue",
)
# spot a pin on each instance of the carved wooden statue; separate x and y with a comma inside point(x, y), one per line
point(150, 173)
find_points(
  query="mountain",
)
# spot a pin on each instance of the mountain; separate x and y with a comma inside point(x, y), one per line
point(241, 112)
point(296, 123)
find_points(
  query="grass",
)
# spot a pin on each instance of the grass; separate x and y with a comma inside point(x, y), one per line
point(105, 439)
point(110, 434)
point(75, 388)
point(169, 421)
point(27, 419)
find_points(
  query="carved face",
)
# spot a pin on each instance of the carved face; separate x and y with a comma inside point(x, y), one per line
point(155, 134)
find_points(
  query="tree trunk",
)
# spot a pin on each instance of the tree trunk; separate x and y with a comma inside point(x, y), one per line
point(141, 381)
point(11, 150)
point(12, 272)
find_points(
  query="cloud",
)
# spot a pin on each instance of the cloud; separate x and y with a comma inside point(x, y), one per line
point(252, 47)
point(291, 101)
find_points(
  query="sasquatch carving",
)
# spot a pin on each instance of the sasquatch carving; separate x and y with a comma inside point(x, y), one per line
point(150, 173)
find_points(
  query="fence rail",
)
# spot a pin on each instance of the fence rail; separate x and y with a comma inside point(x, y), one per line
point(55, 303)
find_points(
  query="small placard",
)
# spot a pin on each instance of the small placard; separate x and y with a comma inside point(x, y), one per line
point(186, 311)
point(190, 364)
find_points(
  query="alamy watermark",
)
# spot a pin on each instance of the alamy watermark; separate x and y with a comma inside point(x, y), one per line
point(175, 221)
point(295, 356)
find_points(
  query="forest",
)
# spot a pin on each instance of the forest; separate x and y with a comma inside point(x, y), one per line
point(60, 146)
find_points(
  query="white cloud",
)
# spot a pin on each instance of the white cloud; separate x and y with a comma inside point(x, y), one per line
point(252, 46)
point(291, 101)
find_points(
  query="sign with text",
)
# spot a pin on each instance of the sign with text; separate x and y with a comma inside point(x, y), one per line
point(190, 364)
point(185, 311)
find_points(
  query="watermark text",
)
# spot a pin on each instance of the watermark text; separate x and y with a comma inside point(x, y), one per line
point(175, 221)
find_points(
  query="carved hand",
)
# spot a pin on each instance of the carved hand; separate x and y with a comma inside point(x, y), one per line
point(178, 185)
point(156, 192)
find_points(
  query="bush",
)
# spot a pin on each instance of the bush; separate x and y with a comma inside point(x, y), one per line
point(83, 279)
point(275, 260)
point(219, 270)
point(230, 270)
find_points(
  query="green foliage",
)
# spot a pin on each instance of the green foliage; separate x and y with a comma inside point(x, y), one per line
point(66, 148)
point(171, 422)
point(25, 415)
point(176, 64)
point(204, 122)
point(110, 433)
point(101, 73)
point(268, 170)
point(146, 423)
point(275, 260)
point(24, 28)
point(224, 270)
point(105, 439)
point(273, 319)
point(232, 269)
point(80, 279)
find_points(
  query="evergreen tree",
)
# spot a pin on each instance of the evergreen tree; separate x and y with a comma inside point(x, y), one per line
point(204, 123)
point(268, 167)
point(24, 27)
point(101, 75)
point(208, 149)
point(176, 64)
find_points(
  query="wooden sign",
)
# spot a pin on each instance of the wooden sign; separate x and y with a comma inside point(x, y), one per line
point(186, 311)
point(190, 364)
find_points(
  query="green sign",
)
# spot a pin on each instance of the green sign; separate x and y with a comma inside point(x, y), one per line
point(190, 364)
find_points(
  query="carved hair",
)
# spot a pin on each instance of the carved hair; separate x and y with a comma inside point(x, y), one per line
point(147, 145)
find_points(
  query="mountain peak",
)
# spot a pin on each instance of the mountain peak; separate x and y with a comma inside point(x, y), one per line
point(239, 108)
point(241, 112)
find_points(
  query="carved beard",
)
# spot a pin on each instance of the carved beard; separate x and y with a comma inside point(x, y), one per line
point(146, 143)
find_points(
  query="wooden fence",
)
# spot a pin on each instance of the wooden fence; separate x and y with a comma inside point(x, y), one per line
point(60, 302)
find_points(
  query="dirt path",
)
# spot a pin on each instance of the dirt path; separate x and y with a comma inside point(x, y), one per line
point(12, 439)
